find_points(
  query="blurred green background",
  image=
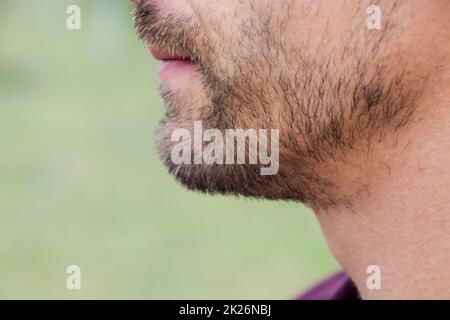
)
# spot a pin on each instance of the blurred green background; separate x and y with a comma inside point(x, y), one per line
point(81, 183)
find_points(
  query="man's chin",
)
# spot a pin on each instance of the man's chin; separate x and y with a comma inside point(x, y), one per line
point(219, 179)
point(227, 179)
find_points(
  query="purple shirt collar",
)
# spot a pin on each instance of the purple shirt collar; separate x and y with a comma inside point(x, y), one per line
point(337, 287)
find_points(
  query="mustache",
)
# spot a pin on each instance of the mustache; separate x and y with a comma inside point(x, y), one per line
point(173, 33)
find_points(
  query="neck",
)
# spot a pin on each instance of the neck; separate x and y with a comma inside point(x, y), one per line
point(401, 223)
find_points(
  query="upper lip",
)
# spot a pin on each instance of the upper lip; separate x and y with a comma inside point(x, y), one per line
point(164, 55)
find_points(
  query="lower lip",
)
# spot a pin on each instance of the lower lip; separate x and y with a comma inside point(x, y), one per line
point(173, 68)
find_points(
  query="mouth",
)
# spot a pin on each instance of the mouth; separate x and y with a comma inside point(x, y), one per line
point(172, 64)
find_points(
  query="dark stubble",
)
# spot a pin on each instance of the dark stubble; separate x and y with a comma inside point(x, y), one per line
point(323, 105)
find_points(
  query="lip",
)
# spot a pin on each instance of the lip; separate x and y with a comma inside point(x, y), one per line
point(162, 55)
point(172, 65)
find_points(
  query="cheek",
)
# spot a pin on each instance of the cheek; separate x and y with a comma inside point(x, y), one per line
point(231, 28)
point(171, 6)
point(220, 19)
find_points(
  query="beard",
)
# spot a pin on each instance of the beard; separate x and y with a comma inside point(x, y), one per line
point(326, 100)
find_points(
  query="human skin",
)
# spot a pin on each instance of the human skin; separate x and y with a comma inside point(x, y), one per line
point(363, 119)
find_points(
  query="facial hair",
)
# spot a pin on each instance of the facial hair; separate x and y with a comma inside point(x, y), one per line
point(323, 104)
